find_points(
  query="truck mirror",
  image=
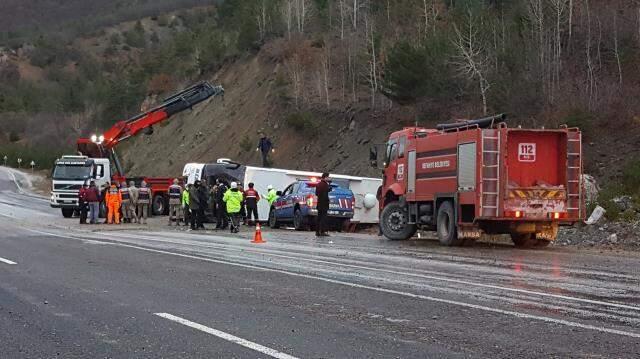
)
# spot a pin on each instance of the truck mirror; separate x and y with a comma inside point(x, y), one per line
point(279, 193)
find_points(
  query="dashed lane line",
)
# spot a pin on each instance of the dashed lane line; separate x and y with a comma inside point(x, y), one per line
point(6, 261)
point(228, 337)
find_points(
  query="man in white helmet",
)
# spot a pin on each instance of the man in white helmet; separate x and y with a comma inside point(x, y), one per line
point(271, 196)
point(233, 200)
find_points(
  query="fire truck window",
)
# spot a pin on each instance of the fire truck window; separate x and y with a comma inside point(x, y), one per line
point(392, 152)
point(402, 146)
point(296, 188)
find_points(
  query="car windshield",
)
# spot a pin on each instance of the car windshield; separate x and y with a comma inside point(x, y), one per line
point(71, 172)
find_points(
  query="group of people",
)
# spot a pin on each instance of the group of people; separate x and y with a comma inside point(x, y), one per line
point(231, 204)
point(129, 203)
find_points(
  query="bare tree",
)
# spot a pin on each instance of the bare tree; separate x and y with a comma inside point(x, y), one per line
point(616, 51)
point(287, 13)
point(590, 73)
point(472, 61)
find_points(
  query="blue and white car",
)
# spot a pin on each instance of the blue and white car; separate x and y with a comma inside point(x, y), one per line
point(297, 205)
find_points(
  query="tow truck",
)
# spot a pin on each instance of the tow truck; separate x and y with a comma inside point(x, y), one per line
point(479, 176)
point(97, 159)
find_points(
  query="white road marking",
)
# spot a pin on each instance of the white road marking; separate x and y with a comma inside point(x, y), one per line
point(226, 336)
point(15, 181)
point(383, 290)
point(6, 261)
point(305, 257)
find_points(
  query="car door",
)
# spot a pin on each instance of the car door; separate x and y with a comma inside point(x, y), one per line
point(285, 204)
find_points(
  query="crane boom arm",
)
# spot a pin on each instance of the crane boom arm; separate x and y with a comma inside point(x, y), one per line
point(122, 130)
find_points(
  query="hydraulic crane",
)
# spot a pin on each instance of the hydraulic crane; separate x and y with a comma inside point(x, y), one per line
point(98, 154)
point(103, 146)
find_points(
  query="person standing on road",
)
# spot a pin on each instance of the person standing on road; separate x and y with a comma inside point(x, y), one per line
point(114, 201)
point(126, 202)
point(175, 201)
point(133, 202)
point(322, 192)
point(271, 196)
point(92, 196)
point(222, 221)
point(185, 204)
point(103, 198)
point(233, 199)
point(203, 195)
point(265, 146)
point(194, 205)
point(144, 200)
point(252, 197)
point(82, 202)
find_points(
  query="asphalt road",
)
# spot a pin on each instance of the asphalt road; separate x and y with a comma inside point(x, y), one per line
point(95, 292)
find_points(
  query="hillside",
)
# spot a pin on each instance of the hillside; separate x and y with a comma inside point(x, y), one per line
point(328, 78)
point(74, 17)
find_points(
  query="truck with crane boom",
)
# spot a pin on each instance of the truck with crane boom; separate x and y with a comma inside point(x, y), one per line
point(480, 176)
point(97, 159)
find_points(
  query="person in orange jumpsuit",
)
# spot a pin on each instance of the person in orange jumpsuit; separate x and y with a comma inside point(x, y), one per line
point(114, 201)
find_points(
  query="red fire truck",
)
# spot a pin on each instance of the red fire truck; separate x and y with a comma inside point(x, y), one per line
point(479, 176)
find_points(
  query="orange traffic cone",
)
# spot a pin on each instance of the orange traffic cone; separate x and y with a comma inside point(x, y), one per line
point(257, 237)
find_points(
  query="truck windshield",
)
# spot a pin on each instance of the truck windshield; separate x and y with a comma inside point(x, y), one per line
point(71, 172)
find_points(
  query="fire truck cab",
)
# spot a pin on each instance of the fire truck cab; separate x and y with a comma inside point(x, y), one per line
point(479, 176)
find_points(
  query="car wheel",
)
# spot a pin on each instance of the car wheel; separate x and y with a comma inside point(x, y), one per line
point(446, 226)
point(394, 222)
point(298, 220)
point(273, 221)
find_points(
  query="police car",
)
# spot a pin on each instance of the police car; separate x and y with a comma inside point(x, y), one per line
point(297, 205)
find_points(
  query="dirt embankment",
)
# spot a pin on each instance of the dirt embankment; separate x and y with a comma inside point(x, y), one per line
point(254, 101)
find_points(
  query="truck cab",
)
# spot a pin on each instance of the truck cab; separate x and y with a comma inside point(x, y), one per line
point(69, 175)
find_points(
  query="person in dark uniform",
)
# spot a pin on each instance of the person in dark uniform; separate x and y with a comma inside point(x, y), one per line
point(322, 192)
point(82, 201)
point(251, 198)
point(222, 220)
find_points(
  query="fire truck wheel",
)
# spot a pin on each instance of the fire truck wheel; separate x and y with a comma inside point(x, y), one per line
point(524, 240)
point(394, 224)
point(446, 226)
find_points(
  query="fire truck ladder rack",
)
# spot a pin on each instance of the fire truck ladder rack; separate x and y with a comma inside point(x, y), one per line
point(574, 177)
point(490, 173)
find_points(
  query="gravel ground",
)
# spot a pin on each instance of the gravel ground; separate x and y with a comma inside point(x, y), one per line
point(608, 234)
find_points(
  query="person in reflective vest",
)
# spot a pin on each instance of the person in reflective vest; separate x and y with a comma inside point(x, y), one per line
point(185, 204)
point(113, 199)
point(126, 202)
point(144, 199)
point(175, 202)
point(272, 195)
point(252, 197)
point(233, 199)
